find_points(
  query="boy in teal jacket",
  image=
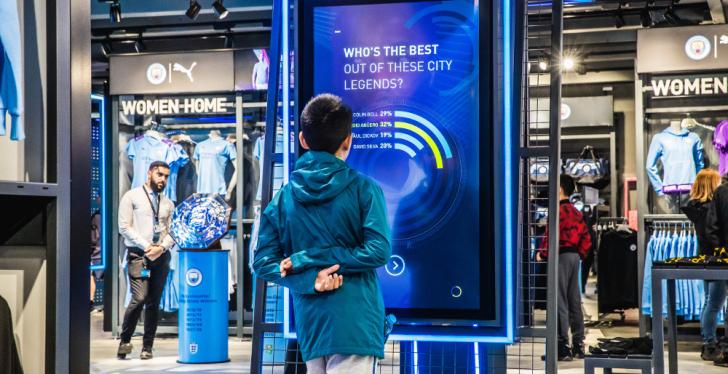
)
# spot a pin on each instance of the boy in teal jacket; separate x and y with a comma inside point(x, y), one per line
point(323, 236)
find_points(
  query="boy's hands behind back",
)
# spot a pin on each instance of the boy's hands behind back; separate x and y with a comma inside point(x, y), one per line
point(286, 267)
point(327, 279)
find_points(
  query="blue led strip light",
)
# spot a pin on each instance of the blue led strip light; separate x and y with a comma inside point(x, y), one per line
point(508, 338)
point(102, 178)
point(508, 160)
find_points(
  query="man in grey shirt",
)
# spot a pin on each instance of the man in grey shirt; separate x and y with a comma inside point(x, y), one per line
point(144, 218)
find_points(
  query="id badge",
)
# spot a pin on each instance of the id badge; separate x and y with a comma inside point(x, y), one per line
point(158, 228)
point(146, 273)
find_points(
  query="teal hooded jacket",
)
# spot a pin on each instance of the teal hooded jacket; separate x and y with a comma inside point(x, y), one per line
point(329, 214)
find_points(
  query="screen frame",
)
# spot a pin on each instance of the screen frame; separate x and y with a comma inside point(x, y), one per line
point(450, 324)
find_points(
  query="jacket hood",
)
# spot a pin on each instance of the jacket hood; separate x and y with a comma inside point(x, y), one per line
point(319, 177)
point(695, 210)
point(671, 131)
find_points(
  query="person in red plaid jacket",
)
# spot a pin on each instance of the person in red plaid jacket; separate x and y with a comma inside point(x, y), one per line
point(574, 244)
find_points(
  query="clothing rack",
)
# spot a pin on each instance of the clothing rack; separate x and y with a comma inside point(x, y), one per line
point(688, 109)
point(665, 217)
point(201, 126)
point(604, 223)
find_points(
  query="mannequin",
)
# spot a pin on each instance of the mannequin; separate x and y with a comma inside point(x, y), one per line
point(680, 152)
point(260, 70)
point(676, 126)
point(212, 155)
point(234, 179)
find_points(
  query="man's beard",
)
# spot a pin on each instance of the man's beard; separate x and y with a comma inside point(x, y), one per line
point(156, 188)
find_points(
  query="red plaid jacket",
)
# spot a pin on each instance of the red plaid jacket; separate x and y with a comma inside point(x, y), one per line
point(573, 232)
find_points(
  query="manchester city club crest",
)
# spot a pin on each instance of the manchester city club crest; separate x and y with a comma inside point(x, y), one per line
point(156, 73)
point(200, 221)
point(697, 47)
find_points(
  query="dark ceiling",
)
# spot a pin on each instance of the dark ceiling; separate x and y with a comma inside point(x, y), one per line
point(603, 34)
point(162, 26)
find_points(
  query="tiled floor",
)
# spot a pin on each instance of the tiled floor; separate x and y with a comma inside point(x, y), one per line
point(103, 352)
point(103, 355)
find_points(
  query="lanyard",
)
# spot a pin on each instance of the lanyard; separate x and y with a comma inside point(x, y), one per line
point(151, 204)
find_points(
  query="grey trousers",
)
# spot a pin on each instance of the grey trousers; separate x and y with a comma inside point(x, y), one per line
point(570, 314)
point(342, 364)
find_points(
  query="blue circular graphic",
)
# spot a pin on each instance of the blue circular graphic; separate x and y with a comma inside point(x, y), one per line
point(416, 163)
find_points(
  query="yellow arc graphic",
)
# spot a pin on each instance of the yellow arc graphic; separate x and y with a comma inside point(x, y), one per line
point(424, 135)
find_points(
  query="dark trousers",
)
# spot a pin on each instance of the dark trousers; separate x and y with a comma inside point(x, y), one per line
point(570, 314)
point(146, 294)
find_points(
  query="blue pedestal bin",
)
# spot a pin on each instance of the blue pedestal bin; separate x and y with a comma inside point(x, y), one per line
point(203, 307)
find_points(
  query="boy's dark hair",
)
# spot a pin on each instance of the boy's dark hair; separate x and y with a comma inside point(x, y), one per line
point(567, 184)
point(158, 164)
point(325, 123)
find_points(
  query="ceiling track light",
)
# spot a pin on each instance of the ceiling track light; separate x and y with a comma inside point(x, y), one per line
point(115, 11)
point(646, 17)
point(569, 63)
point(220, 9)
point(671, 17)
point(619, 21)
point(229, 40)
point(106, 47)
point(139, 46)
point(193, 10)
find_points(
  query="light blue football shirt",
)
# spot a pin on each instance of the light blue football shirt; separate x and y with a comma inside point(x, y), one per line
point(144, 150)
point(213, 155)
point(181, 159)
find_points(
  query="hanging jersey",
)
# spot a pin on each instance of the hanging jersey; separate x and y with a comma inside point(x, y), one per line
point(11, 65)
point(187, 175)
point(146, 149)
point(213, 155)
point(182, 158)
point(720, 142)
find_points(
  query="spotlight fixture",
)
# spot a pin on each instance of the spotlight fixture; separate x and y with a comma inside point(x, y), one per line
point(581, 69)
point(220, 9)
point(645, 17)
point(106, 48)
point(193, 10)
point(229, 41)
point(671, 17)
point(569, 63)
point(115, 12)
point(619, 21)
point(139, 46)
point(543, 65)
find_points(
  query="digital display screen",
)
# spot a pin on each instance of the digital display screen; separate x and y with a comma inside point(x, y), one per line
point(410, 73)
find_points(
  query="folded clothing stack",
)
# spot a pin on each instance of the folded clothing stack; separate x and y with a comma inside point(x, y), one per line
point(718, 258)
point(623, 347)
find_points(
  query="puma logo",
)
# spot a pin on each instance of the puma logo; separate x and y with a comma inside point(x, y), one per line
point(178, 67)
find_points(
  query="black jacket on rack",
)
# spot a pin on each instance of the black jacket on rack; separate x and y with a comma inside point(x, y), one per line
point(9, 359)
point(698, 212)
point(618, 271)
